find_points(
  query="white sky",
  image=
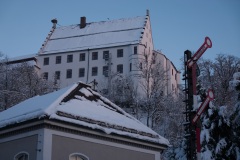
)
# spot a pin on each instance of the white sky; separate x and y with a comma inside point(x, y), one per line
point(176, 25)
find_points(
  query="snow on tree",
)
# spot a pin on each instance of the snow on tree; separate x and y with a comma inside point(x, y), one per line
point(216, 75)
point(216, 133)
point(152, 78)
point(19, 82)
point(221, 130)
point(235, 117)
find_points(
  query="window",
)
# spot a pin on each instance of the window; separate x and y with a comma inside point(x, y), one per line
point(58, 59)
point(130, 67)
point(135, 50)
point(154, 57)
point(120, 68)
point(78, 156)
point(140, 66)
point(94, 71)
point(46, 61)
point(105, 71)
point(94, 55)
point(81, 72)
point(106, 55)
point(120, 53)
point(82, 57)
point(172, 71)
point(69, 58)
point(21, 156)
point(57, 75)
point(45, 75)
point(69, 73)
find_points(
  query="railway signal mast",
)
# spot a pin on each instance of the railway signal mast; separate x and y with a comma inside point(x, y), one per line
point(192, 124)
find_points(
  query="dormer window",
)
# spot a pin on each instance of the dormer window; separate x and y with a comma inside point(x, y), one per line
point(78, 156)
point(22, 156)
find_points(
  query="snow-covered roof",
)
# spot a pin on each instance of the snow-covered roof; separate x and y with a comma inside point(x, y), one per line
point(23, 58)
point(80, 105)
point(94, 35)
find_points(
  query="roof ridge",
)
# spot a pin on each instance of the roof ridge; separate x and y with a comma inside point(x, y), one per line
point(97, 33)
point(50, 109)
point(77, 24)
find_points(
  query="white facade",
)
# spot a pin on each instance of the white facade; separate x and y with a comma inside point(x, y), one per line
point(88, 64)
point(132, 36)
point(67, 54)
point(173, 75)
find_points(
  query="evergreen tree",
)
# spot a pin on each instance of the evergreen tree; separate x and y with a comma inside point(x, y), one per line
point(215, 134)
point(235, 119)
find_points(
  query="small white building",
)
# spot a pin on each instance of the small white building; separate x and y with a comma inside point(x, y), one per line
point(75, 123)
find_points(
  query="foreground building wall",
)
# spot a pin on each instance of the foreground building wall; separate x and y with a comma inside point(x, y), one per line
point(49, 144)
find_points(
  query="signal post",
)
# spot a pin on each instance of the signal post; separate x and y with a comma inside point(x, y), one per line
point(192, 124)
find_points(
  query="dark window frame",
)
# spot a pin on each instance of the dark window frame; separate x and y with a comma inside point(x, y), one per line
point(45, 75)
point(120, 68)
point(82, 57)
point(22, 155)
point(81, 72)
point(69, 58)
point(57, 75)
point(105, 71)
point(94, 55)
point(78, 156)
point(106, 55)
point(135, 50)
point(120, 53)
point(58, 59)
point(46, 61)
point(94, 71)
point(69, 73)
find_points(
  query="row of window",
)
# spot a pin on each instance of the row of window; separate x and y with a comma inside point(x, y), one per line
point(73, 156)
point(82, 56)
point(81, 72)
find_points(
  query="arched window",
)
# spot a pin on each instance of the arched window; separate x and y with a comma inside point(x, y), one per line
point(78, 156)
point(21, 156)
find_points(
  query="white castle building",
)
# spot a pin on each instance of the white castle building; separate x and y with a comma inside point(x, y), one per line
point(92, 51)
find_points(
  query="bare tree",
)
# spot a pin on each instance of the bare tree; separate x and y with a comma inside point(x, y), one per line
point(19, 82)
point(152, 82)
point(217, 74)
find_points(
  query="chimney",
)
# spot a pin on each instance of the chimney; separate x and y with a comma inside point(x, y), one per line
point(83, 22)
point(147, 12)
point(54, 21)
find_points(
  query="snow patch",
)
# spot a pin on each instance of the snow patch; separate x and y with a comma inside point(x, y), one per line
point(220, 145)
point(86, 92)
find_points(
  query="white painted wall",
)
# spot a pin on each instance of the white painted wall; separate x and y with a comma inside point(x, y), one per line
point(145, 46)
point(76, 64)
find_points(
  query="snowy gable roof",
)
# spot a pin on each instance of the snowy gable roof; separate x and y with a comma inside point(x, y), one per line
point(94, 35)
point(80, 105)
